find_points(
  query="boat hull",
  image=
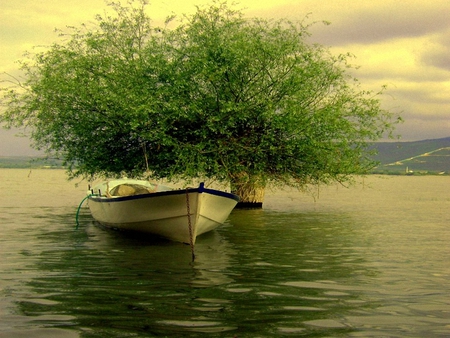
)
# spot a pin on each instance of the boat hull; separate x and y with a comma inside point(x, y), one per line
point(178, 215)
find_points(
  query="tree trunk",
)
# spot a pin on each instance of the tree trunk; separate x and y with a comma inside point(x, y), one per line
point(251, 193)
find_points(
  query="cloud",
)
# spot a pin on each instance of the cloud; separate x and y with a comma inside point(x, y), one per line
point(371, 22)
point(427, 94)
point(419, 129)
point(29, 26)
point(436, 52)
point(398, 61)
point(13, 143)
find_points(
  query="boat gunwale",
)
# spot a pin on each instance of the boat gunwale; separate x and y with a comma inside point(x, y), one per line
point(200, 189)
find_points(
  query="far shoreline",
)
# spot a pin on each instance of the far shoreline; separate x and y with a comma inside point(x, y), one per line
point(32, 162)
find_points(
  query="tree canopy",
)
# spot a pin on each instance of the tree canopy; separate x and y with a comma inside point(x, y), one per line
point(219, 96)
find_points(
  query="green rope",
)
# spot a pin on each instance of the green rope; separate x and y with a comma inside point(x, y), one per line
point(79, 207)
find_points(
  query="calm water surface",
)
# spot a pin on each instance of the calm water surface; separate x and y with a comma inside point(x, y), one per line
point(368, 261)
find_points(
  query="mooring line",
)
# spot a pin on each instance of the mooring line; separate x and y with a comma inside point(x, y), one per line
point(79, 207)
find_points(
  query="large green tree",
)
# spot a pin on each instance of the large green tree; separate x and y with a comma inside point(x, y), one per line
point(219, 96)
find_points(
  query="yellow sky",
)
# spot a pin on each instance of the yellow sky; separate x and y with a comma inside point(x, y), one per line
point(402, 44)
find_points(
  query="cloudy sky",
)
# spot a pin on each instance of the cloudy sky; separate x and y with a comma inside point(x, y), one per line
point(402, 44)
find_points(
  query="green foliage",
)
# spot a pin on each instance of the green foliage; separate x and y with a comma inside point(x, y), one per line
point(220, 96)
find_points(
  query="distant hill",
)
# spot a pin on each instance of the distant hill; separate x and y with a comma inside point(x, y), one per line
point(28, 162)
point(426, 156)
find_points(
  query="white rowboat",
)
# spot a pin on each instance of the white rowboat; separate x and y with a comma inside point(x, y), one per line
point(178, 215)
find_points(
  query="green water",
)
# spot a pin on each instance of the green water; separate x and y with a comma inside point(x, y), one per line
point(369, 261)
